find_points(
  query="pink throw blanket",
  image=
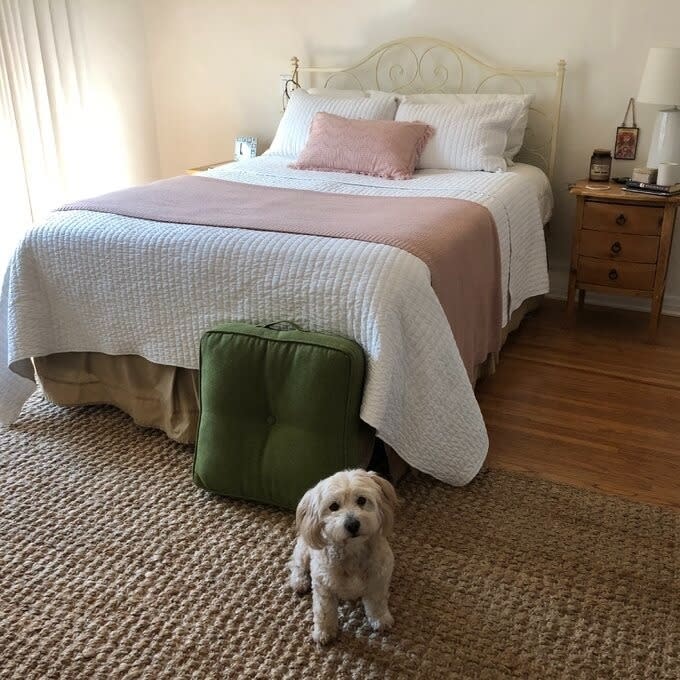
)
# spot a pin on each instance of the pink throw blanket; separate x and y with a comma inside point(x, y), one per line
point(456, 239)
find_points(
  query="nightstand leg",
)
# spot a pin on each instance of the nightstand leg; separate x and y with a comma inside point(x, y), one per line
point(657, 303)
point(573, 267)
point(571, 300)
point(665, 243)
point(581, 298)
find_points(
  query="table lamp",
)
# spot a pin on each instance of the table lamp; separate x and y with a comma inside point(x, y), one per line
point(660, 84)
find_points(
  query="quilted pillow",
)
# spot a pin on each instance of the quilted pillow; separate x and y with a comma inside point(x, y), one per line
point(279, 412)
point(381, 148)
point(519, 124)
point(293, 131)
point(466, 137)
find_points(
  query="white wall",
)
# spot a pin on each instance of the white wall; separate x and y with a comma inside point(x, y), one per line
point(118, 95)
point(215, 65)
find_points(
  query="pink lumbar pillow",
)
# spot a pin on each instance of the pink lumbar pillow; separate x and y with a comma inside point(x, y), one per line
point(381, 148)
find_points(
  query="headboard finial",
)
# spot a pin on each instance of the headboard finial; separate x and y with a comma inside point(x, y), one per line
point(294, 69)
point(291, 83)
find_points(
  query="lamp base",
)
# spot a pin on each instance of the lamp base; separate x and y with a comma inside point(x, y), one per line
point(665, 145)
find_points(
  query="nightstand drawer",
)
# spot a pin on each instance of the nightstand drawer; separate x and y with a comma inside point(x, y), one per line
point(621, 247)
point(629, 275)
point(626, 219)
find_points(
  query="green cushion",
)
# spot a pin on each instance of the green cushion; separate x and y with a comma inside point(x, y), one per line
point(279, 411)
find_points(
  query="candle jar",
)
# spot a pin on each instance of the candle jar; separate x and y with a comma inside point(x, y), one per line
point(600, 165)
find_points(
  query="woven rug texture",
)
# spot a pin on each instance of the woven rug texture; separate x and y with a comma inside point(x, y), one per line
point(114, 565)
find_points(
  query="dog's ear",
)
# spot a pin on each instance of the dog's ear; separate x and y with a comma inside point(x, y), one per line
point(388, 502)
point(308, 519)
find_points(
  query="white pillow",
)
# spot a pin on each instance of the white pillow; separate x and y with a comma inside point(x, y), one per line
point(293, 131)
point(466, 137)
point(517, 129)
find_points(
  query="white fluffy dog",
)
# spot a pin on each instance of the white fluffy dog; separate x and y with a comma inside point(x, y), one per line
point(342, 551)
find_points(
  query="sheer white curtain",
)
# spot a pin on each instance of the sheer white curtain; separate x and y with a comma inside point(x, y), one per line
point(42, 148)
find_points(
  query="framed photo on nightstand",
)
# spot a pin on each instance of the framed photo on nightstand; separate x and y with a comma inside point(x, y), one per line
point(626, 143)
point(625, 148)
point(245, 147)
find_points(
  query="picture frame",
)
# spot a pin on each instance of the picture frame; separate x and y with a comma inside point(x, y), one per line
point(245, 147)
point(625, 147)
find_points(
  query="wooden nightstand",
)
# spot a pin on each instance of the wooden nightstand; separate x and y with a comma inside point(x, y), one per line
point(621, 244)
point(203, 168)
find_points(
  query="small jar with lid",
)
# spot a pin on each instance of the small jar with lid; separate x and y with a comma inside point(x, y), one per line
point(600, 165)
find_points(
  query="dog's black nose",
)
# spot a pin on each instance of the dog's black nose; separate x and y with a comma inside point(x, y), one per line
point(352, 524)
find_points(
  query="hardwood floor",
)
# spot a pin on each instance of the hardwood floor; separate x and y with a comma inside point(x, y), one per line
point(593, 406)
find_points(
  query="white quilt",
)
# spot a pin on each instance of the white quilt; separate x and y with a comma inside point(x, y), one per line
point(96, 282)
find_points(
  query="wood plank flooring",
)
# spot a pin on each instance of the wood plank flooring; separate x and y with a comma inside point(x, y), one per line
point(593, 406)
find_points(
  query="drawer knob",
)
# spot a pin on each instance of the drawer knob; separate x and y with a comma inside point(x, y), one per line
point(621, 219)
point(613, 274)
point(616, 247)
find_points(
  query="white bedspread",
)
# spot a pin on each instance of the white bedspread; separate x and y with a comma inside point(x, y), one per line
point(96, 282)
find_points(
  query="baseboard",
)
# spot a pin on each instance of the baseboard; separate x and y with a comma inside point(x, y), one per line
point(559, 278)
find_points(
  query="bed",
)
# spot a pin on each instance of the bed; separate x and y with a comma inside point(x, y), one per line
point(109, 308)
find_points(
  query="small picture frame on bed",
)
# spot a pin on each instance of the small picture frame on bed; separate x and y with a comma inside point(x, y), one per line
point(245, 147)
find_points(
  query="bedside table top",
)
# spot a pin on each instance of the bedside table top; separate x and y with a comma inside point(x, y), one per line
point(209, 166)
point(611, 191)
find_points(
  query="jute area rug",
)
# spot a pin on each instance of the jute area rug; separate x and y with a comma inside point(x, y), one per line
point(113, 565)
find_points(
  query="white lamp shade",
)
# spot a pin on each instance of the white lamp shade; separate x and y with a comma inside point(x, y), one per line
point(660, 82)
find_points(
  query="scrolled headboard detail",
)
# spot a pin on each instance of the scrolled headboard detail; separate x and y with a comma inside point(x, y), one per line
point(422, 64)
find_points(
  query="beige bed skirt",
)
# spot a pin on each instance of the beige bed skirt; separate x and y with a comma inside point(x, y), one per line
point(155, 395)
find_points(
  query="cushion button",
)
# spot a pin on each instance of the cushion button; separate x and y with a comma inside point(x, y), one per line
point(271, 420)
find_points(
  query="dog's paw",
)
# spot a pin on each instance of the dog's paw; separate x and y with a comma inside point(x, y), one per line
point(301, 584)
point(323, 636)
point(384, 622)
point(302, 588)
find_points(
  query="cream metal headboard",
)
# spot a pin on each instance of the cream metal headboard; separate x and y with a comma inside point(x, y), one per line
point(421, 64)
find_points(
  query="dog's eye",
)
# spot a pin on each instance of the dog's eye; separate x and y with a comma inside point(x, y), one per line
point(333, 507)
point(361, 501)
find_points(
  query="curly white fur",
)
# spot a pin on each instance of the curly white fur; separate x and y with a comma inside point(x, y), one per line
point(342, 552)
